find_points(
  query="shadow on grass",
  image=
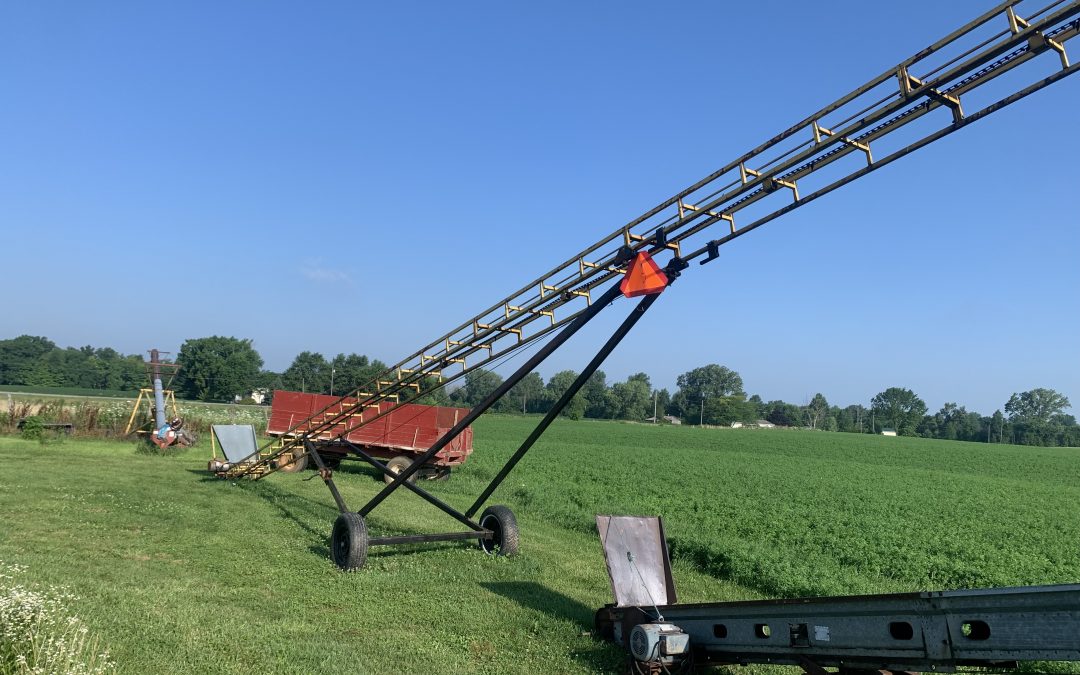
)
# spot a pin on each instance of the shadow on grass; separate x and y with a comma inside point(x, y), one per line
point(205, 476)
point(599, 656)
point(301, 511)
point(542, 599)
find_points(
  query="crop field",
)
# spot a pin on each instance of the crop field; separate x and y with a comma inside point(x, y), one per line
point(177, 571)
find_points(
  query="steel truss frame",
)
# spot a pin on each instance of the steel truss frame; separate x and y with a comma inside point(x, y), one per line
point(402, 479)
point(940, 77)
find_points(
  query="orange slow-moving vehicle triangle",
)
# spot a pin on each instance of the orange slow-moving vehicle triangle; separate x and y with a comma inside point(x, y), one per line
point(643, 277)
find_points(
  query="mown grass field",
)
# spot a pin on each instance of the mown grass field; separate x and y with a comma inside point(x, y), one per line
point(181, 572)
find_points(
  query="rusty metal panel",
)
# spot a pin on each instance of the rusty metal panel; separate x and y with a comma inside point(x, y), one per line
point(636, 554)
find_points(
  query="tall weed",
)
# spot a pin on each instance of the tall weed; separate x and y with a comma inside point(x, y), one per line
point(40, 635)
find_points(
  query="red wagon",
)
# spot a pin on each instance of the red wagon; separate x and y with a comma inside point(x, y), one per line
point(399, 436)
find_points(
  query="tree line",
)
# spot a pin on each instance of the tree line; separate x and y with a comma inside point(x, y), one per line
point(226, 368)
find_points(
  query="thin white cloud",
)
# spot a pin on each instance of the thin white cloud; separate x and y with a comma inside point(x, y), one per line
point(314, 270)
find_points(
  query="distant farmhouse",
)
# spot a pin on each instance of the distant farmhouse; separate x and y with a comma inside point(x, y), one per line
point(760, 424)
point(670, 419)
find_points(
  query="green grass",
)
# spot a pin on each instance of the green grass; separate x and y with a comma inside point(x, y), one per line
point(179, 572)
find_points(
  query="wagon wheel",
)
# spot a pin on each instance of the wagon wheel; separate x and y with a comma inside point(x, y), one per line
point(396, 466)
point(349, 541)
point(287, 464)
point(505, 539)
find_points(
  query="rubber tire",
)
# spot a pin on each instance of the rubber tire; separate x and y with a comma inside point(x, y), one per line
point(295, 466)
point(502, 522)
point(397, 465)
point(349, 542)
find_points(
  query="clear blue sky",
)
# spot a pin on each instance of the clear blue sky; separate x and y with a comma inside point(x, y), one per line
point(361, 177)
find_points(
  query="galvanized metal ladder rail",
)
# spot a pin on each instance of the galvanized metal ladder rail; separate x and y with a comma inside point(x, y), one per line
point(921, 100)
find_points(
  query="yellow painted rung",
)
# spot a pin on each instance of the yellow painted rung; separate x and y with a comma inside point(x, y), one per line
point(1016, 23)
point(585, 264)
point(477, 327)
point(771, 184)
point(713, 214)
point(747, 173)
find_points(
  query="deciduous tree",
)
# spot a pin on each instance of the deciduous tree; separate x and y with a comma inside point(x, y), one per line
point(217, 368)
point(309, 373)
point(899, 409)
point(816, 411)
point(20, 355)
point(479, 384)
point(557, 386)
point(699, 385)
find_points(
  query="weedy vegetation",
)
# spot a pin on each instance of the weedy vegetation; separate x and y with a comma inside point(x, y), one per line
point(39, 635)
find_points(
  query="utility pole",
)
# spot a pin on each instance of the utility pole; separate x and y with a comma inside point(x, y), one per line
point(654, 406)
point(701, 416)
point(331, 380)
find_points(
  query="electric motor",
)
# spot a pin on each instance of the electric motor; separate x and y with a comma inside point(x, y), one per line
point(658, 642)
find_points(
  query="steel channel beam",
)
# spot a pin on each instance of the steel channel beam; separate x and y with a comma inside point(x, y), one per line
point(919, 631)
point(931, 631)
point(427, 538)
